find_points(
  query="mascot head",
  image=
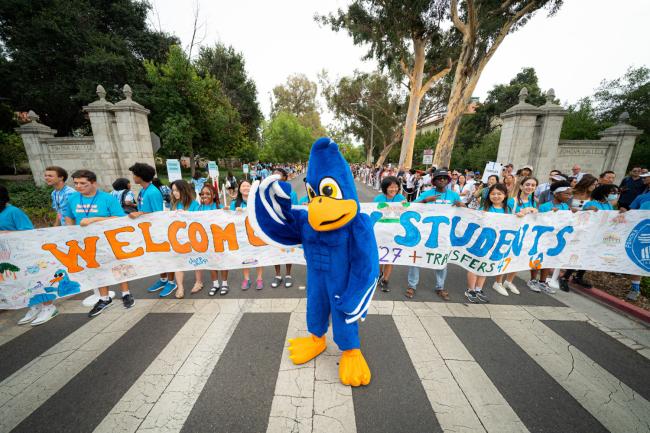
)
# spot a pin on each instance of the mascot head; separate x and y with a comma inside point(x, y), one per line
point(332, 195)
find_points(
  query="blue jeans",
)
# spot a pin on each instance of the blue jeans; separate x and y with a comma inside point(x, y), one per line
point(414, 277)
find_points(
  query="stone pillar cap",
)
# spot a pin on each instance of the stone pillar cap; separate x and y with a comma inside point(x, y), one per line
point(622, 127)
point(128, 102)
point(101, 104)
point(550, 106)
point(523, 107)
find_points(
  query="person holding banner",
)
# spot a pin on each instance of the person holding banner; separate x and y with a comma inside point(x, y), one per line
point(90, 205)
point(562, 193)
point(496, 203)
point(521, 204)
point(440, 194)
point(240, 204)
point(390, 194)
point(182, 200)
point(54, 177)
point(288, 279)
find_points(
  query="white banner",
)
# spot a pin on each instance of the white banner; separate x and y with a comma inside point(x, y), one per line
point(63, 261)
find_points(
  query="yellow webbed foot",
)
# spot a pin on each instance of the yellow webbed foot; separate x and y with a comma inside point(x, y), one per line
point(353, 368)
point(304, 349)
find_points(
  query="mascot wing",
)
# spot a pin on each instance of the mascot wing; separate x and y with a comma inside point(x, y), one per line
point(270, 213)
point(364, 271)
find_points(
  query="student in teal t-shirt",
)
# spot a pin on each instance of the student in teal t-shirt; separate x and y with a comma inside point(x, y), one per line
point(561, 192)
point(56, 177)
point(12, 218)
point(602, 198)
point(87, 206)
point(495, 203)
point(390, 186)
point(239, 204)
point(521, 204)
point(288, 279)
point(183, 200)
point(209, 200)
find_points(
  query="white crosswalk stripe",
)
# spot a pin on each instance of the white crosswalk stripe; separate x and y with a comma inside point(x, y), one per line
point(309, 398)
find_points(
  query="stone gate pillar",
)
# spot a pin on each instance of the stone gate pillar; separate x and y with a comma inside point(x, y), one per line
point(624, 135)
point(33, 134)
point(518, 132)
point(102, 122)
point(133, 137)
point(543, 155)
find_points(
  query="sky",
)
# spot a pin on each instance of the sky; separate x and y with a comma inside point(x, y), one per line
point(585, 42)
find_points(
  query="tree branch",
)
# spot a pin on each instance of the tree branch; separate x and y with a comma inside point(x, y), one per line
point(426, 86)
point(455, 19)
point(406, 71)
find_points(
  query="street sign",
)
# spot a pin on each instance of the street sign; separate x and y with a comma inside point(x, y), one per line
point(490, 169)
point(427, 157)
point(213, 169)
point(174, 170)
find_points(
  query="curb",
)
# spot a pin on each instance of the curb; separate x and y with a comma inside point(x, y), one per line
point(613, 301)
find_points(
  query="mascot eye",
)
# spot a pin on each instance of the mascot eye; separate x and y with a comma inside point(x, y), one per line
point(330, 188)
point(310, 191)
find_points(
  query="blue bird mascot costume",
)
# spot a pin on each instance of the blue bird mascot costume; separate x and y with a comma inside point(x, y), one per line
point(340, 250)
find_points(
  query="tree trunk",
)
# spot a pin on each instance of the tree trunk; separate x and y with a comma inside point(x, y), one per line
point(369, 154)
point(384, 153)
point(415, 97)
point(192, 163)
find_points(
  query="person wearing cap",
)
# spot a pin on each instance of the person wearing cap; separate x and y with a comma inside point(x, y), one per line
point(562, 193)
point(545, 194)
point(438, 195)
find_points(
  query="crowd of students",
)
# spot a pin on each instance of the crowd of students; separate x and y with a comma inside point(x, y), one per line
point(516, 193)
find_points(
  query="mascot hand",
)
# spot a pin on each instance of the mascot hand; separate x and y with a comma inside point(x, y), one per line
point(275, 196)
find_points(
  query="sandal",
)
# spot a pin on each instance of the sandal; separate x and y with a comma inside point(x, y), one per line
point(180, 293)
point(213, 290)
point(277, 280)
point(224, 290)
point(288, 281)
point(384, 286)
point(198, 286)
point(410, 292)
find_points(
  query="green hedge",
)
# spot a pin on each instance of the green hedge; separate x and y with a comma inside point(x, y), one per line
point(34, 200)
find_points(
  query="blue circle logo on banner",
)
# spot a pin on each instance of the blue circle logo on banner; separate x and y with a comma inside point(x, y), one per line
point(637, 245)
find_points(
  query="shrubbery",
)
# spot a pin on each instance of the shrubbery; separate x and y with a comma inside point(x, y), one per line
point(34, 200)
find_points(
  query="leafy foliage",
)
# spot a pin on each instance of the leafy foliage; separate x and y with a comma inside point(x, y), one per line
point(54, 53)
point(581, 122)
point(228, 66)
point(192, 114)
point(285, 139)
point(298, 97)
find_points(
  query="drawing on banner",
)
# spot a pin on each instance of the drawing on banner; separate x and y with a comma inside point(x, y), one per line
point(638, 245)
point(491, 168)
point(64, 287)
point(173, 170)
point(124, 271)
point(8, 271)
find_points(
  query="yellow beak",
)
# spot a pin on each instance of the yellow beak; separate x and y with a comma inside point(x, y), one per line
point(326, 213)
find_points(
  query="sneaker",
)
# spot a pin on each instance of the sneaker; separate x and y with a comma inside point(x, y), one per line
point(498, 287)
point(564, 285)
point(544, 287)
point(47, 312)
point(99, 307)
point(159, 284)
point(480, 294)
point(128, 301)
point(276, 282)
point(384, 286)
point(471, 296)
point(633, 295)
point(169, 288)
point(534, 286)
point(259, 285)
point(246, 284)
point(288, 281)
point(443, 294)
point(510, 286)
point(582, 282)
point(30, 315)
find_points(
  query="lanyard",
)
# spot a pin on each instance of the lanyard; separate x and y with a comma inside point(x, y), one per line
point(90, 206)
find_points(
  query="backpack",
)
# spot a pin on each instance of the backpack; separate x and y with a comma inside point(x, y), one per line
point(128, 208)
